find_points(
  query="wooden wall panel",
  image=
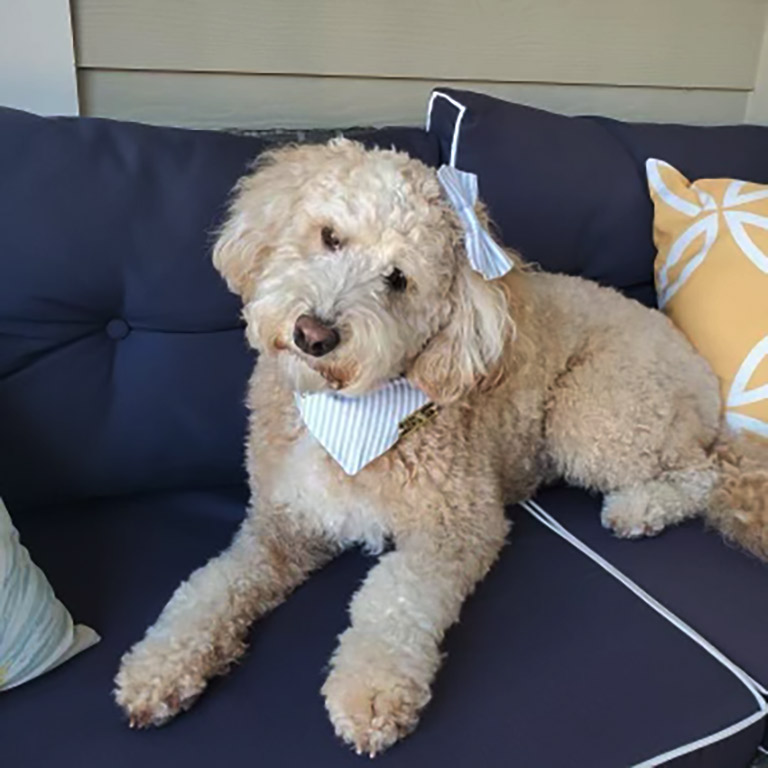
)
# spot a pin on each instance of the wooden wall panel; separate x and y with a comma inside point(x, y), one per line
point(267, 101)
point(686, 43)
point(321, 63)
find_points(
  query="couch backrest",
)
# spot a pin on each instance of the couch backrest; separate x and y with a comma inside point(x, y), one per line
point(123, 363)
point(570, 192)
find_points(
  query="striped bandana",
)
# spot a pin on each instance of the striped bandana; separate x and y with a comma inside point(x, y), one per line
point(356, 430)
point(485, 256)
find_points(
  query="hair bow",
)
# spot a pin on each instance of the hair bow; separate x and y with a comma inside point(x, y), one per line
point(485, 255)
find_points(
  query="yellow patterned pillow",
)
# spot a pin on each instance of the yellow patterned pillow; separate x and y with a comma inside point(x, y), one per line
point(712, 280)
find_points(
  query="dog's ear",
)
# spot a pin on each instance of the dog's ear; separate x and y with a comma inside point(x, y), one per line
point(469, 351)
point(237, 254)
point(261, 204)
point(247, 237)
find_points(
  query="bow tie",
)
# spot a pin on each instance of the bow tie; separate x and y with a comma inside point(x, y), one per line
point(484, 254)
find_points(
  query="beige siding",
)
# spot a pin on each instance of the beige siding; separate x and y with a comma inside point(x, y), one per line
point(267, 101)
point(290, 63)
point(707, 43)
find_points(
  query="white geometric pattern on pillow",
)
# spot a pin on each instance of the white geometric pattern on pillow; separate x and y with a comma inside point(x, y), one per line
point(691, 240)
point(740, 393)
point(707, 225)
point(36, 630)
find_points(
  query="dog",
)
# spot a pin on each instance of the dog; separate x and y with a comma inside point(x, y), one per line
point(353, 270)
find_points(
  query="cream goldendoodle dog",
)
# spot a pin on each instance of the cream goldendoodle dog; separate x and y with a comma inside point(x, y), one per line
point(353, 271)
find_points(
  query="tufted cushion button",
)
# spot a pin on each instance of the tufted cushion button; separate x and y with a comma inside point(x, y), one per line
point(117, 329)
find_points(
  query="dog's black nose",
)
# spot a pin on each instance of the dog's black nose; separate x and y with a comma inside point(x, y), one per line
point(314, 337)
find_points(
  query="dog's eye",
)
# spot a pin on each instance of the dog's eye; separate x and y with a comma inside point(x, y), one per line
point(396, 280)
point(330, 239)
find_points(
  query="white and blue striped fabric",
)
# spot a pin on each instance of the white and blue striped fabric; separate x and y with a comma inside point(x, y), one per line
point(356, 430)
point(36, 630)
point(485, 255)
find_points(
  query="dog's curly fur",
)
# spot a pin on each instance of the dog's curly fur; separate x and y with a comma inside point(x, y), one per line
point(539, 376)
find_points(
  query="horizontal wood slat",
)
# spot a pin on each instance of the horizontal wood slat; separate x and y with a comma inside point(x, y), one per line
point(266, 101)
point(677, 43)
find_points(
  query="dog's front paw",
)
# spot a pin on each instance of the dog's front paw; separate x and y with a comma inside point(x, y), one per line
point(371, 711)
point(156, 682)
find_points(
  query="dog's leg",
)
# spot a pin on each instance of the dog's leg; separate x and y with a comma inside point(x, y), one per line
point(647, 453)
point(202, 629)
point(385, 662)
point(645, 509)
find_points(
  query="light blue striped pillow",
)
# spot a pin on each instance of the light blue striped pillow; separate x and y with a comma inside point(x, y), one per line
point(36, 631)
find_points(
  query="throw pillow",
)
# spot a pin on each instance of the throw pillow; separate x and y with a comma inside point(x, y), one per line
point(712, 280)
point(36, 631)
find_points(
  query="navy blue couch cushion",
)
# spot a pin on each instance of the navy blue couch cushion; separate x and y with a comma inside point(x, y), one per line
point(569, 192)
point(717, 589)
point(553, 664)
point(122, 360)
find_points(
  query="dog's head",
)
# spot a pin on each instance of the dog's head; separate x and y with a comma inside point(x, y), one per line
point(352, 270)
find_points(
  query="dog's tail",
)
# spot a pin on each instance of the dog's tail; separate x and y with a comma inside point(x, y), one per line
point(738, 506)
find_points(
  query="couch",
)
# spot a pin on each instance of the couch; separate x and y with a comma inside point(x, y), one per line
point(123, 369)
